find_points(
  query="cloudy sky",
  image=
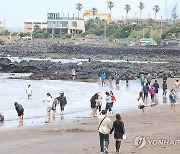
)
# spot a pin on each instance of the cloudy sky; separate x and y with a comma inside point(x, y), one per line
point(16, 11)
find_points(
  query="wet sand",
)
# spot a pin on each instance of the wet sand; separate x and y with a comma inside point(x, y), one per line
point(81, 136)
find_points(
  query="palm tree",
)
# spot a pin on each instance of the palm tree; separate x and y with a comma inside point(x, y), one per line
point(141, 7)
point(110, 5)
point(156, 10)
point(127, 8)
point(79, 8)
point(93, 11)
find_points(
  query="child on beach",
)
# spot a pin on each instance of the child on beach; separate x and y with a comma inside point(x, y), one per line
point(119, 131)
point(113, 99)
point(141, 101)
point(152, 92)
point(49, 100)
point(108, 103)
point(20, 110)
point(29, 91)
point(172, 98)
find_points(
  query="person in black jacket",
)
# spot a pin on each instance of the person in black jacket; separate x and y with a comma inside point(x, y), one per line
point(119, 131)
point(20, 110)
point(62, 101)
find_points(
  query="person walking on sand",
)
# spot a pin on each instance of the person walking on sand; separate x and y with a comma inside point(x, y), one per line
point(119, 131)
point(156, 86)
point(152, 92)
point(49, 100)
point(73, 74)
point(29, 91)
point(172, 98)
point(104, 128)
point(141, 101)
point(20, 110)
point(146, 91)
point(164, 87)
point(62, 101)
point(99, 102)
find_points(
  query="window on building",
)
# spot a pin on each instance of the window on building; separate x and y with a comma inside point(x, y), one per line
point(74, 24)
point(64, 24)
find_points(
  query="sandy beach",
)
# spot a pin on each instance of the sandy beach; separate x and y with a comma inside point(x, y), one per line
point(81, 136)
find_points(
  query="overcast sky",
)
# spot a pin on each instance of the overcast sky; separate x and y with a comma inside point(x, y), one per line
point(16, 11)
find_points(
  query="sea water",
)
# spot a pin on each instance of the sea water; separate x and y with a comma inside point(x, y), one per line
point(78, 96)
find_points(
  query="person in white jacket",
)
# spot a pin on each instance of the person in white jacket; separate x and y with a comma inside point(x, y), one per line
point(49, 100)
point(104, 129)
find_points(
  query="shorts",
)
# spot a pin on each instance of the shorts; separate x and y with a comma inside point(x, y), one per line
point(62, 107)
point(141, 106)
point(108, 106)
point(54, 107)
point(118, 135)
point(20, 112)
point(49, 109)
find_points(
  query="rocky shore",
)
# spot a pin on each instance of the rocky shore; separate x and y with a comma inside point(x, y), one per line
point(57, 70)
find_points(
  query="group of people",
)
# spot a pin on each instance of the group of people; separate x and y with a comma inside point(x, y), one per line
point(111, 76)
point(96, 102)
point(51, 105)
point(105, 127)
point(152, 89)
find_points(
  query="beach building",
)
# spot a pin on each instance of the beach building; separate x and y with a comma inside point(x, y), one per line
point(30, 25)
point(89, 15)
point(57, 24)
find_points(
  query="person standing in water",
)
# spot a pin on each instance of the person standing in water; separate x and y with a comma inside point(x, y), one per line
point(49, 100)
point(99, 102)
point(119, 131)
point(142, 79)
point(127, 78)
point(62, 101)
point(29, 91)
point(55, 102)
point(93, 104)
point(156, 86)
point(164, 87)
point(152, 92)
point(113, 99)
point(108, 103)
point(146, 91)
point(177, 86)
point(20, 110)
point(73, 74)
point(104, 128)
point(103, 78)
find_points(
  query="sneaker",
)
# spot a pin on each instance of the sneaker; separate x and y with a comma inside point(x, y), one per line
point(106, 150)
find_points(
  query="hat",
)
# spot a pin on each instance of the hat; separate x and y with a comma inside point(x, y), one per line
point(61, 92)
point(15, 103)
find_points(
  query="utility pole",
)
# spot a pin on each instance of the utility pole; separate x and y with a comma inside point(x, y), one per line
point(105, 28)
point(4, 26)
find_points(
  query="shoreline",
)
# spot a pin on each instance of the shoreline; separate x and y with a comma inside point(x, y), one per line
point(85, 112)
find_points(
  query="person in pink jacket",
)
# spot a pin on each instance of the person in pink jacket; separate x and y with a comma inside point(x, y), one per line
point(152, 92)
